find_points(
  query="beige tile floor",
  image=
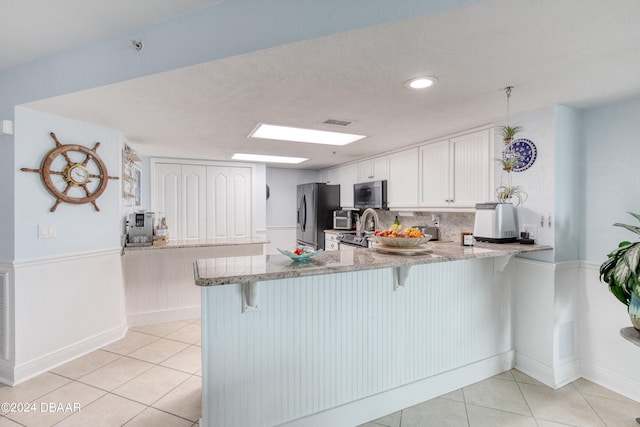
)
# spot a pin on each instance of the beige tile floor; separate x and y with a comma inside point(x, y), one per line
point(513, 399)
point(152, 378)
point(149, 378)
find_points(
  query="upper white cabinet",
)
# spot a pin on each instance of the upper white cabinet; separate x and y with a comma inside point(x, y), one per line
point(402, 185)
point(203, 201)
point(472, 166)
point(373, 169)
point(451, 173)
point(348, 177)
point(435, 165)
point(456, 172)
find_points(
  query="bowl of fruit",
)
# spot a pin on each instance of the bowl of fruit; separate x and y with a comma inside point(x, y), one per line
point(300, 253)
point(398, 238)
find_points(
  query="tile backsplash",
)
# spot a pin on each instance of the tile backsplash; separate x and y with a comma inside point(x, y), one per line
point(451, 223)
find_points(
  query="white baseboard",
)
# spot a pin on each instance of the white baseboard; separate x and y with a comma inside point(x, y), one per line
point(553, 377)
point(152, 317)
point(382, 404)
point(621, 385)
point(19, 374)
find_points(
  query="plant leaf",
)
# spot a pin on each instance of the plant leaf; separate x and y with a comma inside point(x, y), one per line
point(620, 274)
point(636, 216)
point(632, 257)
point(632, 228)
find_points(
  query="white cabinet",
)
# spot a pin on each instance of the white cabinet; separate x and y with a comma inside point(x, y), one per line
point(203, 201)
point(456, 172)
point(472, 166)
point(348, 175)
point(436, 174)
point(330, 241)
point(402, 186)
point(373, 169)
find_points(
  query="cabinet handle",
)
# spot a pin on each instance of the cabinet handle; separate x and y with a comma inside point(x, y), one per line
point(370, 176)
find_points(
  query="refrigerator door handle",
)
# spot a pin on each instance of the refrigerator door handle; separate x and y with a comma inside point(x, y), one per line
point(303, 205)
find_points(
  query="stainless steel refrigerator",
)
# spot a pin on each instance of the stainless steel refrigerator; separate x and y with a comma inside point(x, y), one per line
point(316, 203)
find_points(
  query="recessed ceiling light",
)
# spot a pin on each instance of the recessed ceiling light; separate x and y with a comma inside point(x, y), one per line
point(268, 159)
point(421, 82)
point(286, 133)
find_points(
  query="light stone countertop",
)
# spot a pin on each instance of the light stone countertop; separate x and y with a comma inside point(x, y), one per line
point(221, 241)
point(247, 269)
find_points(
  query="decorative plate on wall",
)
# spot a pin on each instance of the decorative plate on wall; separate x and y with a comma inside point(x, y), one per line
point(524, 151)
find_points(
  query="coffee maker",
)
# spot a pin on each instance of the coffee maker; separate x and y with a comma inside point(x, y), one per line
point(140, 229)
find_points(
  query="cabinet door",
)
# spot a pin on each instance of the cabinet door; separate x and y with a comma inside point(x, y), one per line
point(229, 207)
point(435, 160)
point(323, 176)
point(402, 188)
point(373, 169)
point(193, 215)
point(471, 169)
point(348, 177)
point(168, 196)
point(332, 176)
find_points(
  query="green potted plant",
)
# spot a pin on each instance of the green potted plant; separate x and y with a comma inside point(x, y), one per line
point(509, 132)
point(621, 272)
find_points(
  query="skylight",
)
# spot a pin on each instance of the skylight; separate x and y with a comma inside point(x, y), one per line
point(268, 159)
point(286, 133)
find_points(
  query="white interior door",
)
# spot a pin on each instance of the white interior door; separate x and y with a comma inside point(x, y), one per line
point(194, 202)
point(229, 206)
point(168, 195)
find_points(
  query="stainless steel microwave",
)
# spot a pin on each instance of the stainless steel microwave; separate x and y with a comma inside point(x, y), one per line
point(370, 195)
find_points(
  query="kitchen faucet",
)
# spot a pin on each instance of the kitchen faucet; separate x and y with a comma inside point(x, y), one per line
point(363, 220)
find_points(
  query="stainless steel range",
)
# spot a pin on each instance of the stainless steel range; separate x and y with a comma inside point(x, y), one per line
point(353, 240)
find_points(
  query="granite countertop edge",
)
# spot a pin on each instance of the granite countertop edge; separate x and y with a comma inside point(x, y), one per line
point(277, 266)
point(180, 244)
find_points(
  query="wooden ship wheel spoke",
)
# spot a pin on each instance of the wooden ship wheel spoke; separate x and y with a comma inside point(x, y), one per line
point(76, 174)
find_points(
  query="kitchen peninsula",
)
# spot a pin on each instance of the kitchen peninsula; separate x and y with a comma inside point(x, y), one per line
point(350, 336)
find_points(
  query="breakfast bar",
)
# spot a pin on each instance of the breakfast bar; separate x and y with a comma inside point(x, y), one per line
point(350, 336)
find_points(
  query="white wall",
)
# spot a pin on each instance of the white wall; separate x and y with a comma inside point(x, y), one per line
point(538, 180)
point(68, 292)
point(282, 204)
point(281, 207)
point(7, 173)
point(611, 189)
point(568, 157)
point(79, 228)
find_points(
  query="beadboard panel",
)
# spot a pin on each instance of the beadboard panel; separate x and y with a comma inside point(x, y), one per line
point(159, 283)
point(324, 341)
point(65, 307)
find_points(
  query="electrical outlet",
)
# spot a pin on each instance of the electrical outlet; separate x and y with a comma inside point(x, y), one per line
point(46, 231)
point(532, 230)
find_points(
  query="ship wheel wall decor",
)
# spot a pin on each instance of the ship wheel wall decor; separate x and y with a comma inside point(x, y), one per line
point(73, 174)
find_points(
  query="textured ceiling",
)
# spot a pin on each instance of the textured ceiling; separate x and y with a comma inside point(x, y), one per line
point(32, 29)
point(574, 52)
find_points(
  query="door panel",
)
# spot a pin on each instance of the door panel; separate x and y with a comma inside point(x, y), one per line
point(168, 190)
point(194, 209)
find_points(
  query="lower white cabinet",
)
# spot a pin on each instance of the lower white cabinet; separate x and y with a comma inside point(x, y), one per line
point(330, 241)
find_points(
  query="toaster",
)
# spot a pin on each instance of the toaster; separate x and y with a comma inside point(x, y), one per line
point(495, 223)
